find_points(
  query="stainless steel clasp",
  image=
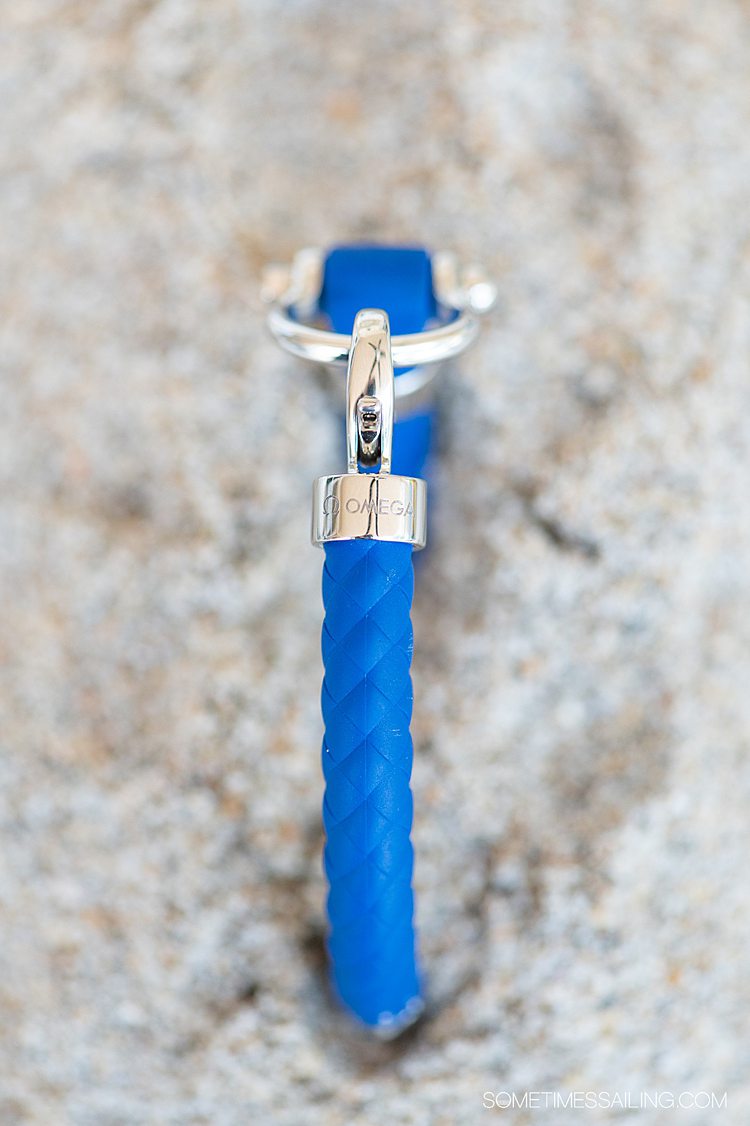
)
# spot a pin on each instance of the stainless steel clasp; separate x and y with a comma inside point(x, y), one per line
point(362, 504)
point(370, 393)
point(463, 294)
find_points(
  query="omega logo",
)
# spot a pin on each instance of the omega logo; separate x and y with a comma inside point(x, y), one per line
point(383, 506)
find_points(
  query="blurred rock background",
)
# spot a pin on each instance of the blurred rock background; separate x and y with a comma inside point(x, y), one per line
point(582, 783)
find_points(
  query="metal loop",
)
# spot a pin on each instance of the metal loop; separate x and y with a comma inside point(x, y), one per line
point(433, 346)
point(467, 293)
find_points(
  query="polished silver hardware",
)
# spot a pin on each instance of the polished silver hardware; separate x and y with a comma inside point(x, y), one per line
point(370, 506)
point(370, 393)
point(432, 346)
point(465, 294)
point(365, 505)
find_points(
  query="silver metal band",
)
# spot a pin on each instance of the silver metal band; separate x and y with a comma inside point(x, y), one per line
point(370, 506)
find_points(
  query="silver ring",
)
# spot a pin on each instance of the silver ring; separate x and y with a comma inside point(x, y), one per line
point(468, 293)
point(416, 349)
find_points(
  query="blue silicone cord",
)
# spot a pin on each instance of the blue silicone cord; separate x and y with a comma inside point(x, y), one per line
point(367, 760)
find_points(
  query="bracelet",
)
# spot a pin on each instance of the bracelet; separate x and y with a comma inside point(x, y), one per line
point(369, 520)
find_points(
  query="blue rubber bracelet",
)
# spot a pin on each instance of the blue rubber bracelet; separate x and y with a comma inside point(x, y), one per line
point(367, 693)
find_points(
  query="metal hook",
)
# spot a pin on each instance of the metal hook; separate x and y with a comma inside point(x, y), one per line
point(370, 393)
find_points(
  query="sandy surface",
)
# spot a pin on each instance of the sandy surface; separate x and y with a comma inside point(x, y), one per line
point(583, 635)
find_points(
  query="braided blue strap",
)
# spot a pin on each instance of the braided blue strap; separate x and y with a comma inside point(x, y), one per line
point(367, 760)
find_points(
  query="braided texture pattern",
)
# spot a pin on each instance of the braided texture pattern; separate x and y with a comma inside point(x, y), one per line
point(367, 760)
